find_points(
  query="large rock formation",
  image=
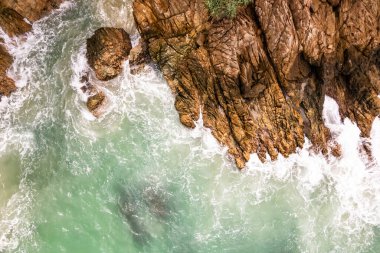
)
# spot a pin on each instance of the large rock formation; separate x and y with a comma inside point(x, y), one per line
point(107, 49)
point(12, 22)
point(260, 79)
point(33, 10)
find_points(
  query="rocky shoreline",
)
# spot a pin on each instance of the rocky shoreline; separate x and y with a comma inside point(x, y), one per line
point(260, 79)
point(16, 18)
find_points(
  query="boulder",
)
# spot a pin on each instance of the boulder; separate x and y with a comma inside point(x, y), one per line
point(260, 79)
point(95, 102)
point(107, 49)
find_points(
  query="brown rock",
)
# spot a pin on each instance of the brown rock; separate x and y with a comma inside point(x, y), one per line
point(7, 85)
point(95, 102)
point(33, 10)
point(336, 150)
point(138, 57)
point(12, 14)
point(106, 51)
point(260, 79)
point(13, 23)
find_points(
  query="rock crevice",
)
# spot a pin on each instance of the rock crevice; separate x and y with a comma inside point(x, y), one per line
point(260, 79)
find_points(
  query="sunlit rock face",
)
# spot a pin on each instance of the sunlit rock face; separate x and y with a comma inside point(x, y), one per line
point(107, 49)
point(260, 79)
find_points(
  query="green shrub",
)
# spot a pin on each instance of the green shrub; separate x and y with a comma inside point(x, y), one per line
point(223, 8)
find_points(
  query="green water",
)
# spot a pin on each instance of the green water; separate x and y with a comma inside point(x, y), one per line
point(136, 180)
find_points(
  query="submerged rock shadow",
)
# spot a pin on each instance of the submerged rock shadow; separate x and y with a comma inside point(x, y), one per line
point(144, 209)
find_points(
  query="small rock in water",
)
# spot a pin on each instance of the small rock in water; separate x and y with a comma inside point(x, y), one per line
point(107, 49)
point(95, 102)
point(87, 87)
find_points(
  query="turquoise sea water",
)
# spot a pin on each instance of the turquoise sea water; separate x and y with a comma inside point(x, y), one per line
point(136, 180)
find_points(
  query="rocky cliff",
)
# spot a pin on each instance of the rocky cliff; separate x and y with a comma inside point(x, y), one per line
point(260, 79)
point(15, 19)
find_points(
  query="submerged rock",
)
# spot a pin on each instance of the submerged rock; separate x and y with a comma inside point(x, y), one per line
point(260, 79)
point(96, 99)
point(107, 49)
point(156, 202)
point(139, 206)
point(130, 207)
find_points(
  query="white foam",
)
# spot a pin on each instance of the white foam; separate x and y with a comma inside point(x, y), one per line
point(117, 13)
point(375, 139)
point(146, 98)
point(18, 117)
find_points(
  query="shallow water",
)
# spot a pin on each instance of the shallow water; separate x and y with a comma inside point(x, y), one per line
point(136, 180)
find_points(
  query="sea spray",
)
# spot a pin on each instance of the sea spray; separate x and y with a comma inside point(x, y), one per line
point(67, 198)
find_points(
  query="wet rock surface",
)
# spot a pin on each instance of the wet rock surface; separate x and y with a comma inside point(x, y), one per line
point(260, 79)
point(12, 21)
point(107, 49)
point(139, 57)
point(95, 102)
point(33, 10)
point(7, 85)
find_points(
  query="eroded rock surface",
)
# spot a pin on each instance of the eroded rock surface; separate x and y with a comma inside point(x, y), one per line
point(33, 10)
point(12, 21)
point(107, 49)
point(260, 79)
point(139, 57)
point(7, 85)
point(95, 103)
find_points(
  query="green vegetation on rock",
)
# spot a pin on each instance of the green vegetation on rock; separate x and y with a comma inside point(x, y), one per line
point(222, 8)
